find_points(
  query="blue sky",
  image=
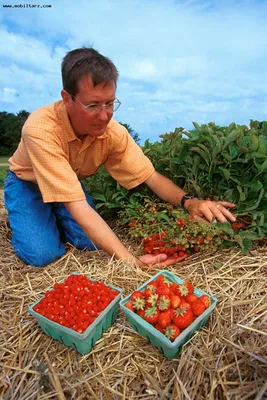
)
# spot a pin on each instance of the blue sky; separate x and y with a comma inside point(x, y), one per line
point(179, 61)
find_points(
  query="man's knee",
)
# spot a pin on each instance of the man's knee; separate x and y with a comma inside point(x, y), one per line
point(39, 257)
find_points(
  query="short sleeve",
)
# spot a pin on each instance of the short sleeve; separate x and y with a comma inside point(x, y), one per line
point(126, 162)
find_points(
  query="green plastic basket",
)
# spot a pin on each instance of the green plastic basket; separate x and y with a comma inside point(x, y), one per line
point(158, 339)
point(82, 342)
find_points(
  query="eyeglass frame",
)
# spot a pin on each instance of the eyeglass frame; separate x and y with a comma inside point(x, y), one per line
point(100, 106)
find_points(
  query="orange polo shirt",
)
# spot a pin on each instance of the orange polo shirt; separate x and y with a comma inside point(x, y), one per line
point(51, 155)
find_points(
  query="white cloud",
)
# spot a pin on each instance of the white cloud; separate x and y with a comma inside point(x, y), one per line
point(8, 95)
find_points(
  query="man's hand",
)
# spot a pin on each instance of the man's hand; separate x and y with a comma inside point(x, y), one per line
point(200, 209)
point(160, 260)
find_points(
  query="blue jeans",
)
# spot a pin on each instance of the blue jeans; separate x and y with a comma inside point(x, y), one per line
point(39, 229)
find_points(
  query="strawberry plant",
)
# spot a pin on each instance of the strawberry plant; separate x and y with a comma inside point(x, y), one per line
point(219, 163)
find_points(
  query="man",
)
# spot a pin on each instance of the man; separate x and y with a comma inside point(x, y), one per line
point(67, 141)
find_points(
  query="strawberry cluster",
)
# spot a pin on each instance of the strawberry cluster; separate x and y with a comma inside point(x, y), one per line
point(170, 307)
point(155, 244)
point(76, 303)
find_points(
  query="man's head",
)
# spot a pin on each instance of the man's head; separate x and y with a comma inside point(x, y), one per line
point(88, 78)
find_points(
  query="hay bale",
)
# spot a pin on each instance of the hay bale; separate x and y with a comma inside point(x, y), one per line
point(226, 360)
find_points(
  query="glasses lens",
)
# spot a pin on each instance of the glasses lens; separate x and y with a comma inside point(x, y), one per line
point(116, 105)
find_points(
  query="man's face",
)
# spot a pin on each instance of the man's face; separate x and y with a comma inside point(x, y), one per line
point(83, 121)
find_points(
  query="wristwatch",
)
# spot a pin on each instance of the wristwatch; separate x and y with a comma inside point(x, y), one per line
point(184, 198)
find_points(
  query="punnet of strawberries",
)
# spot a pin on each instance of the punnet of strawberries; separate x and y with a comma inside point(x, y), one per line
point(170, 307)
point(76, 302)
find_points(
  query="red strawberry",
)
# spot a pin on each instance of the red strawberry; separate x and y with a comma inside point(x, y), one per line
point(163, 302)
point(191, 297)
point(141, 313)
point(163, 290)
point(152, 300)
point(137, 294)
point(151, 315)
point(172, 332)
point(189, 286)
point(159, 328)
point(171, 312)
point(206, 300)
point(139, 303)
point(175, 301)
point(164, 319)
point(129, 305)
point(198, 307)
point(183, 317)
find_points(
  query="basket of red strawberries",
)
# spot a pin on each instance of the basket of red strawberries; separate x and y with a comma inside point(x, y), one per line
point(167, 311)
point(77, 311)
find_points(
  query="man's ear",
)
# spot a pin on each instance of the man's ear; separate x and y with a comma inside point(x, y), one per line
point(66, 97)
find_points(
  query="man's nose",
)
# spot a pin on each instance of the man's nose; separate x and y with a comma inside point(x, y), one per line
point(103, 114)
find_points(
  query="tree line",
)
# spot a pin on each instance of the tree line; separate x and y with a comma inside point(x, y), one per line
point(11, 126)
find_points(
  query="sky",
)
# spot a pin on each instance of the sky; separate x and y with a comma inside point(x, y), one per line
point(179, 60)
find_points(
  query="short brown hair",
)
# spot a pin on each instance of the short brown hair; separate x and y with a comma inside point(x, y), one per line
point(83, 61)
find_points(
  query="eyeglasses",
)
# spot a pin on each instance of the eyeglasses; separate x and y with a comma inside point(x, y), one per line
point(95, 108)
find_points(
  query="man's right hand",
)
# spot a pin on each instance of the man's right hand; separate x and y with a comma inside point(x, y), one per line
point(160, 260)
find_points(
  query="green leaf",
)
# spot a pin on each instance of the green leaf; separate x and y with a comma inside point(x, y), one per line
point(226, 173)
point(254, 143)
point(99, 196)
point(226, 228)
point(197, 127)
point(163, 216)
point(244, 243)
point(242, 196)
point(232, 137)
point(264, 166)
point(201, 153)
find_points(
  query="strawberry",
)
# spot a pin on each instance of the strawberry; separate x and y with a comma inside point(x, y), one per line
point(152, 286)
point(163, 302)
point(189, 286)
point(180, 222)
point(137, 294)
point(175, 301)
point(141, 313)
point(159, 328)
point(163, 291)
point(186, 305)
point(139, 303)
point(206, 300)
point(152, 300)
point(172, 332)
point(183, 317)
point(171, 312)
point(198, 307)
point(151, 315)
point(191, 297)
point(129, 305)
point(185, 289)
point(174, 287)
point(164, 319)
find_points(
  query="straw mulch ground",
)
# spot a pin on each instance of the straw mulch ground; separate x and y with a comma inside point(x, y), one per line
point(226, 360)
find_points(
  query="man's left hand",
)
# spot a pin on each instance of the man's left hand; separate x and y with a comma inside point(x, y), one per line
point(200, 209)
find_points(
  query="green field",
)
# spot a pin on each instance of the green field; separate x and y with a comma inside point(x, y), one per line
point(4, 160)
point(3, 169)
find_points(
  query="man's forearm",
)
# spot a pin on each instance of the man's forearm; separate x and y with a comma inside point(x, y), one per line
point(97, 230)
point(165, 188)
